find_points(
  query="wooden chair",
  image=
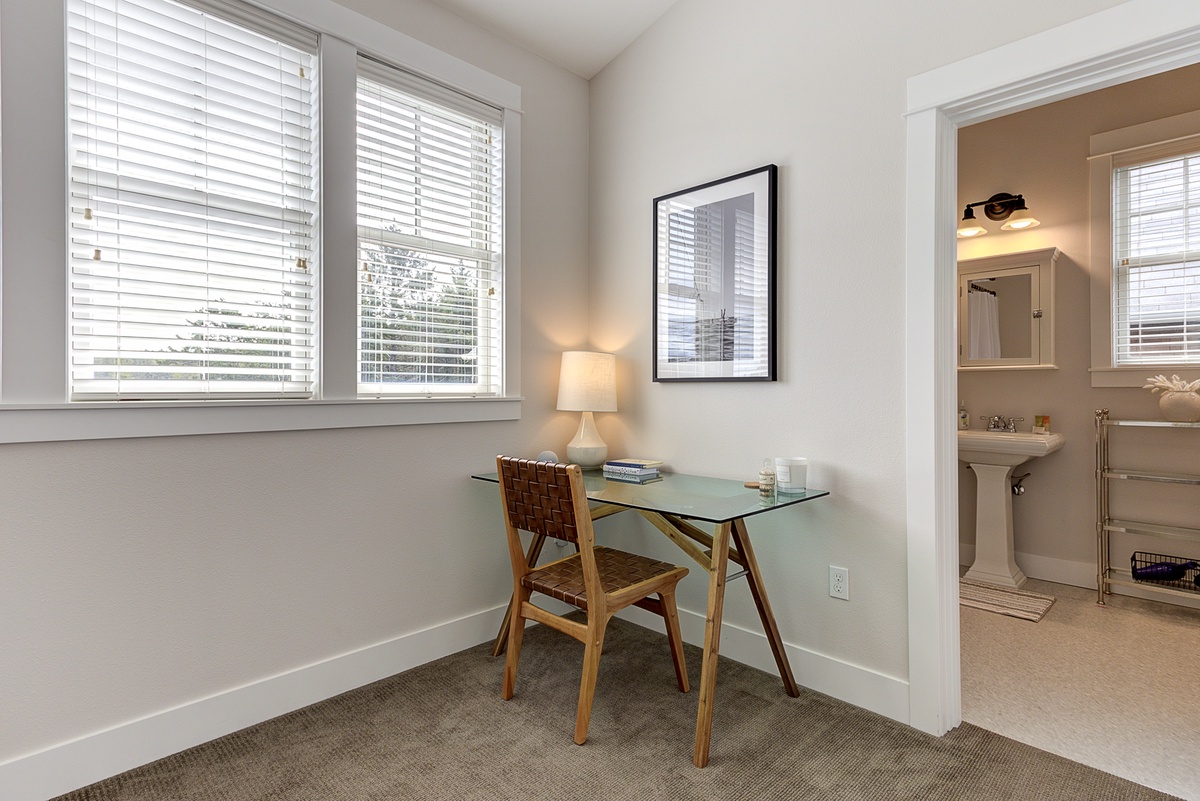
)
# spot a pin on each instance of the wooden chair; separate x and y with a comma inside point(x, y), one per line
point(547, 498)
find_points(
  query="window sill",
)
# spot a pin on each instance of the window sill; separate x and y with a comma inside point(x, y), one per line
point(1136, 376)
point(87, 421)
point(970, 368)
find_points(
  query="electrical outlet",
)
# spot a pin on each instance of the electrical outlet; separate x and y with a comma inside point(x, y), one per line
point(839, 582)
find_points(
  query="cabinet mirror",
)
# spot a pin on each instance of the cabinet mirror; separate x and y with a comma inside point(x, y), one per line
point(1006, 311)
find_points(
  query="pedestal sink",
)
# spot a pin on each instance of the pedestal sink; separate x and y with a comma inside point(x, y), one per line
point(993, 455)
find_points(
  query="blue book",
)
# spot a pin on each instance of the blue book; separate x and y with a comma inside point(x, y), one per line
point(622, 478)
point(631, 471)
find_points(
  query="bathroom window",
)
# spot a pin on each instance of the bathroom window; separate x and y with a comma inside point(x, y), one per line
point(1146, 251)
point(1156, 244)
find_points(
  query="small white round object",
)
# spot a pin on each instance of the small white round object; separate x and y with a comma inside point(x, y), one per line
point(548, 456)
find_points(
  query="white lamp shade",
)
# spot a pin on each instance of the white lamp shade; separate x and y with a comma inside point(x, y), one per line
point(1020, 220)
point(971, 227)
point(588, 382)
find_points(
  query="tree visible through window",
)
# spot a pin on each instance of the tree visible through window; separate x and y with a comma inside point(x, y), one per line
point(429, 238)
point(417, 324)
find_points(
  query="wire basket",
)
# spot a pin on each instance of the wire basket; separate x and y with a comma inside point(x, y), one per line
point(1162, 569)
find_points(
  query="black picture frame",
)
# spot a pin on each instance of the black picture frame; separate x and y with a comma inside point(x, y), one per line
point(714, 280)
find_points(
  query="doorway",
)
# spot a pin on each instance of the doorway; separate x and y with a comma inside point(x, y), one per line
point(1069, 683)
point(1133, 40)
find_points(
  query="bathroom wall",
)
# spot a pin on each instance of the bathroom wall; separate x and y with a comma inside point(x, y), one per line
point(1042, 154)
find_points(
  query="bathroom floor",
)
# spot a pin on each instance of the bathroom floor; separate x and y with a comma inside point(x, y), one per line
point(1114, 687)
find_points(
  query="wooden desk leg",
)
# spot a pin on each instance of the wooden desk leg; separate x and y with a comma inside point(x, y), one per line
point(535, 550)
point(712, 640)
point(741, 538)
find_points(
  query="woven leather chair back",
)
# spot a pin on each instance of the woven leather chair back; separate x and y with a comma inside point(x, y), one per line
point(538, 496)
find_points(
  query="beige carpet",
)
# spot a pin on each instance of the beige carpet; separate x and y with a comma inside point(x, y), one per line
point(1003, 600)
point(440, 731)
point(1112, 686)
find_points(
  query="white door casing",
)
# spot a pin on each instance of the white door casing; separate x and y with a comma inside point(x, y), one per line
point(1121, 44)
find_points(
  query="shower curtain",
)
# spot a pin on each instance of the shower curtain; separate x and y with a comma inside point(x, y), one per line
point(983, 317)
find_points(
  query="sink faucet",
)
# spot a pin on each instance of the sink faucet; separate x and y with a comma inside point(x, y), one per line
point(998, 423)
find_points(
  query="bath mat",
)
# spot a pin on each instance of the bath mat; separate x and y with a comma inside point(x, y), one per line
point(1003, 600)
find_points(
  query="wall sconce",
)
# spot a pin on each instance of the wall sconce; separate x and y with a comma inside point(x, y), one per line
point(1002, 206)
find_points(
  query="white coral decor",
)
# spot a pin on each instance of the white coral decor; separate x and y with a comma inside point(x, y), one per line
point(1179, 402)
point(1173, 384)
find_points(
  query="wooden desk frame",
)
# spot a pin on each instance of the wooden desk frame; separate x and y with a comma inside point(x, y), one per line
point(730, 542)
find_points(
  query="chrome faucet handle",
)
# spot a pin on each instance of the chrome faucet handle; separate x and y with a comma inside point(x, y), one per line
point(995, 422)
point(1012, 423)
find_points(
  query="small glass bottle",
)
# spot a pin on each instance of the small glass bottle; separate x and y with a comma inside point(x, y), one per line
point(766, 480)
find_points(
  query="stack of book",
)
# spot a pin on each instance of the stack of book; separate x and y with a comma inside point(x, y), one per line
point(632, 471)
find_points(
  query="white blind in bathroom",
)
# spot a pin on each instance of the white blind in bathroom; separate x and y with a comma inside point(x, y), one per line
point(1156, 258)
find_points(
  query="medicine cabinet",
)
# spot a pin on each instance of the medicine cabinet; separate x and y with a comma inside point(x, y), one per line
point(1006, 311)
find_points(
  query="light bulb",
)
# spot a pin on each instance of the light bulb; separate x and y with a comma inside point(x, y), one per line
point(969, 226)
point(1020, 220)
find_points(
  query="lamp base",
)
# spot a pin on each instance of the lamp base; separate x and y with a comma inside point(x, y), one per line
point(587, 449)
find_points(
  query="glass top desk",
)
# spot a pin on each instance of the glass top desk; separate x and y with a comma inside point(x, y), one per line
point(670, 505)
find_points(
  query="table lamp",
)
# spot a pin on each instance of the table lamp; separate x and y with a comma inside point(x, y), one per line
point(588, 383)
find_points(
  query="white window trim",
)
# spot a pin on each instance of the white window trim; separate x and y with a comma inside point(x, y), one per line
point(33, 319)
point(1104, 151)
point(116, 420)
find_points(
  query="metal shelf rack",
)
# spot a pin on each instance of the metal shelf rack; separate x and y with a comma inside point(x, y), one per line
point(1106, 574)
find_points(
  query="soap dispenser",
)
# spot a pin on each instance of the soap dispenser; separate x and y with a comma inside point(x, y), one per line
point(964, 419)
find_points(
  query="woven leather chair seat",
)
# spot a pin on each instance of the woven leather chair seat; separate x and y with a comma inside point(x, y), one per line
point(564, 579)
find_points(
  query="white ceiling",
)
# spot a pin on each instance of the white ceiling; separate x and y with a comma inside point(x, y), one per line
point(579, 35)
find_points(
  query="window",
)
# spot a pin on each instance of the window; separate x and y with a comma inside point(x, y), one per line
point(429, 235)
point(1146, 251)
point(192, 202)
point(198, 251)
point(1156, 258)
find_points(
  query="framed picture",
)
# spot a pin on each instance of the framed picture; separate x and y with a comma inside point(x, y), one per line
point(714, 280)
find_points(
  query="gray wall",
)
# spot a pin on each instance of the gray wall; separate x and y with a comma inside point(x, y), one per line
point(137, 576)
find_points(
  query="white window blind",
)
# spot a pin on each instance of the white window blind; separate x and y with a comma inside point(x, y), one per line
point(1156, 261)
point(429, 238)
point(192, 200)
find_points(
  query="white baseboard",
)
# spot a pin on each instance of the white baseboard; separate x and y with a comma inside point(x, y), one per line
point(862, 687)
point(1046, 568)
point(78, 763)
point(1075, 574)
